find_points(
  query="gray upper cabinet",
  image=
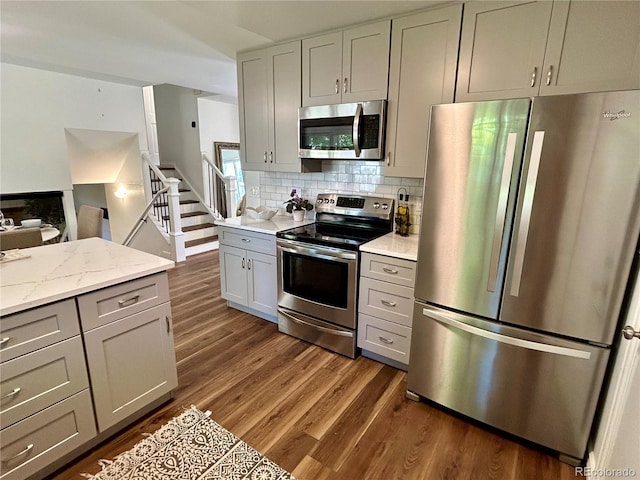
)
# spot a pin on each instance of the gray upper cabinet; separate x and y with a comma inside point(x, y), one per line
point(593, 46)
point(519, 49)
point(348, 66)
point(502, 49)
point(269, 89)
point(424, 53)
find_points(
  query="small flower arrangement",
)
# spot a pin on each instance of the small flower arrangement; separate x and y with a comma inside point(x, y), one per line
point(297, 203)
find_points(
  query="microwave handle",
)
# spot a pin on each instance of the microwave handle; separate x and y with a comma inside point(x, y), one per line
point(356, 130)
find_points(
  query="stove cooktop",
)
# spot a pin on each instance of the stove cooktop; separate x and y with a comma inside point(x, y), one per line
point(339, 236)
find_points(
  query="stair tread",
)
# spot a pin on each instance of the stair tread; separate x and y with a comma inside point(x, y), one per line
point(182, 202)
point(199, 226)
point(186, 215)
point(200, 241)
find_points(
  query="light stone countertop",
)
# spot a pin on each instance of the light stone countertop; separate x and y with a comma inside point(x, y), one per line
point(276, 224)
point(64, 270)
point(394, 245)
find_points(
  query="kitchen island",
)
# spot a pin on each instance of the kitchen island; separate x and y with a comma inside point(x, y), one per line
point(86, 348)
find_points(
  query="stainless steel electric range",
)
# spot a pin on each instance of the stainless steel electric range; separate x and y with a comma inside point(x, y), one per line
point(318, 269)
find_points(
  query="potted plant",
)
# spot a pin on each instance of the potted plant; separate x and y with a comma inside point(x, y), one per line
point(297, 205)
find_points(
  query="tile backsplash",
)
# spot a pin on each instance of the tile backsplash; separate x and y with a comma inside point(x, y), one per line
point(341, 176)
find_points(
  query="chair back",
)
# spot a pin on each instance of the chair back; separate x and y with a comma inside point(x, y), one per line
point(21, 238)
point(89, 222)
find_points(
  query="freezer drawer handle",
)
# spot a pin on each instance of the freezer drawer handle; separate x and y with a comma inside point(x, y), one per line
point(501, 210)
point(517, 342)
point(525, 214)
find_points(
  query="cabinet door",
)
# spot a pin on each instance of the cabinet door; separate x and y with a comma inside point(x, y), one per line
point(261, 276)
point(322, 69)
point(424, 54)
point(593, 46)
point(253, 109)
point(365, 62)
point(131, 363)
point(233, 274)
point(284, 86)
point(502, 49)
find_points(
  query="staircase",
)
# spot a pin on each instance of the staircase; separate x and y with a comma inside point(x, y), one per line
point(200, 232)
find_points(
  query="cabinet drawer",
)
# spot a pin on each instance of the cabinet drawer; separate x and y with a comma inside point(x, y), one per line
point(256, 242)
point(386, 300)
point(384, 338)
point(113, 303)
point(34, 443)
point(30, 330)
point(38, 380)
point(388, 269)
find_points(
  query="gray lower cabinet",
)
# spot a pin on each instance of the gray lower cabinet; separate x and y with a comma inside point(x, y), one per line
point(109, 351)
point(248, 271)
point(385, 307)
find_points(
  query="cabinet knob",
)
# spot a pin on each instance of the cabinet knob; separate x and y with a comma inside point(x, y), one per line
point(549, 75)
point(533, 76)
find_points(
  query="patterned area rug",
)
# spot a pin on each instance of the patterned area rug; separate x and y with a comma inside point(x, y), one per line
point(191, 447)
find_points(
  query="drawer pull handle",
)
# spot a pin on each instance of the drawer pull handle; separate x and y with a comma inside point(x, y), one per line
point(128, 302)
point(246, 240)
point(19, 454)
point(392, 271)
point(388, 303)
point(11, 394)
point(386, 340)
point(4, 341)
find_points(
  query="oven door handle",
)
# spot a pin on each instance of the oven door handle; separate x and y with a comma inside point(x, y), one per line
point(341, 333)
point(318, 253)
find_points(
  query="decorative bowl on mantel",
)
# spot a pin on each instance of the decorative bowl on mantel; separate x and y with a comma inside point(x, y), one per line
point(260, 213)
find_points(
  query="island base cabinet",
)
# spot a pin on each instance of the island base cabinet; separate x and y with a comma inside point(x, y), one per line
point(131, 363)
point(33, 443)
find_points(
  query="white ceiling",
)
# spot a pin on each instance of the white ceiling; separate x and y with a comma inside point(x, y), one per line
point(186, 43)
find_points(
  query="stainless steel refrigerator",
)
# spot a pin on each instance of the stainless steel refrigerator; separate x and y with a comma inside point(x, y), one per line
point(529, 228)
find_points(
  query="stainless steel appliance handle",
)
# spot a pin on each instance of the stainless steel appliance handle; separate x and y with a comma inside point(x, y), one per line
point(517, 342)
point(501, 210)
point(318, 252)
point(525, 214)
point(342, 333)
point(356, 130)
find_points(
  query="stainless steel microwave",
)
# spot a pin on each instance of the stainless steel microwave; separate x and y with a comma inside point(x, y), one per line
point(342, 131)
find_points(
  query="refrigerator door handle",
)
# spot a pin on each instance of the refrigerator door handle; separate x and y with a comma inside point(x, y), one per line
point(517, 342)
point(525, 215)
point(501, 210)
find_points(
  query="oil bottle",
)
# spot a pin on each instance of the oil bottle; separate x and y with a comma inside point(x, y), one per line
point(402, 214)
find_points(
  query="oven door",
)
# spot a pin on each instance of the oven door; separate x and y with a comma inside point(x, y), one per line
point(318, 281)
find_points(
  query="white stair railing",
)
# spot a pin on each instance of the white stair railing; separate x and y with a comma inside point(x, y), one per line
point(163, 202)
point(211, 186)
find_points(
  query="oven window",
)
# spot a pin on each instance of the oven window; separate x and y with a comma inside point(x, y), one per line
point(315, 279)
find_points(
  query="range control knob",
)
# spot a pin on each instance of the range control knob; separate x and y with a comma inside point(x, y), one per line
point(319, 200)
point(326, 200)
point(376, 205)
point(333, 201)
point(385, 206)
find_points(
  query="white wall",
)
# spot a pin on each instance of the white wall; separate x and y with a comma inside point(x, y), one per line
point(179, 142)
point(36, 107)
point(218, 123)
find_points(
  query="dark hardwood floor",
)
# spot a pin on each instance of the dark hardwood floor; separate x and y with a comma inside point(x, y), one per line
point(317, 414)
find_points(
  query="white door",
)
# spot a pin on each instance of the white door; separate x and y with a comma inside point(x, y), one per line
point(261, 274)
point(616, 444)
